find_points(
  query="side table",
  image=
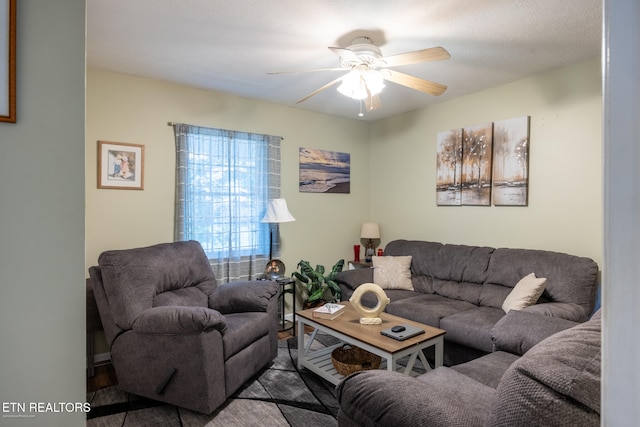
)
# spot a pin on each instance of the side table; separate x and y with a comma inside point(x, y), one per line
point(287, 286)
point(360, 264)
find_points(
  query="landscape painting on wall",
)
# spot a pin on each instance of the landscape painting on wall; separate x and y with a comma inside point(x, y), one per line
point(477, 151)
point(449, 168)
point(511, 162)
point(324, 171)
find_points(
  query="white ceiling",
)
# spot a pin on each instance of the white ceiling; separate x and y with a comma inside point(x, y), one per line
point(229, 46)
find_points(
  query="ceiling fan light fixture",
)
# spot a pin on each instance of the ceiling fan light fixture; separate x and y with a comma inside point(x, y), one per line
point(355, 84)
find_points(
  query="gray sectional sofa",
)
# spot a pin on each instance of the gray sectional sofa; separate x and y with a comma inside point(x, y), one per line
point(461, 289)
point(556, 382)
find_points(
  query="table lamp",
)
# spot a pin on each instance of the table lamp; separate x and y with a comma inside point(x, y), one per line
point(370, 231)
point(277, 212)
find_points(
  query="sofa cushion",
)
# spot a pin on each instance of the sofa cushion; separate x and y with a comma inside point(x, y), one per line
point(191, 297)
point(487, 369)
point(570, 279)
point(525, 293)
point(133, 277)
point(392, 272)
point(370, 299)
point(493, 295)
point(427, 309)
point(465, 291)
point(243, 329)
point(563, 310)
point(557, 382)
point(518, 331)
point(458, 263)
point(440, 398)
point(472, 327)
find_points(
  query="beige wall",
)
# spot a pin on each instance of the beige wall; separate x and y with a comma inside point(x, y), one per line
point(565, 164)
point(122, 108)
point(396, 154)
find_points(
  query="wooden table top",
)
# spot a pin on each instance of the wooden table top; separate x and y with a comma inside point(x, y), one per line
point(348, 324)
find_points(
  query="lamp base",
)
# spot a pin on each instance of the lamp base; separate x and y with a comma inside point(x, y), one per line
point(369, 251)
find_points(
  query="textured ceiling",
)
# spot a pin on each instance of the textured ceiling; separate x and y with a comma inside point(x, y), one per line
point(230, 46)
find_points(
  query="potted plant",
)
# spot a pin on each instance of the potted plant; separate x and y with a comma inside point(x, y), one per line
point(319, 287)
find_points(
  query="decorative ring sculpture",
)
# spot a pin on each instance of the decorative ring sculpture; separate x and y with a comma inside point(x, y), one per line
point(369, 316)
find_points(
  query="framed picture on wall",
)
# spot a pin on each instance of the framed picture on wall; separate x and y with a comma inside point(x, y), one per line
point(8, 61)
point(324, 171)
point(120, 165)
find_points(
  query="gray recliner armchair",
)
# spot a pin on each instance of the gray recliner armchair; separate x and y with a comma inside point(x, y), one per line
point(173, 333)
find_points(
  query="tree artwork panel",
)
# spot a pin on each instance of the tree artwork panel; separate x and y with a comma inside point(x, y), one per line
point(449, 168)
point(511, 162)
point(477, 150)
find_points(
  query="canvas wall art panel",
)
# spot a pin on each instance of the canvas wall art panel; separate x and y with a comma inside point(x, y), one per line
point(477, 153)
point(323, 171)
point(511, 162)
point(449, 168)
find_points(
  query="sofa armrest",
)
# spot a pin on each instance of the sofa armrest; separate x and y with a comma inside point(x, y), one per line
point(519, 330)
point(239, 297)
point(442, 397)
point(562, 310)
point(354, 278)
point(178, 320)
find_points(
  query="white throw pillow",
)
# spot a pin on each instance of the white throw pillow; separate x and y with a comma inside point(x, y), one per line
point(392, 272)
point(525, 293)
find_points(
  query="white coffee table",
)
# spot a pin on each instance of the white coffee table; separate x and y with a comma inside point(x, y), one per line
point(347, 329)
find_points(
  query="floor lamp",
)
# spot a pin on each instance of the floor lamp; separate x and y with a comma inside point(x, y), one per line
point(277, 212)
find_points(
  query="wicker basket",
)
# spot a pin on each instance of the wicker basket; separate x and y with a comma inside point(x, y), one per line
point(348, 359)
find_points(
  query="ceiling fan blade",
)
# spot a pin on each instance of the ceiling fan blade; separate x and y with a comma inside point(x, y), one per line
point(426, 86)
point(424, 55)
point(306, 71)
point(372, 102)
point(317, 91)
point(346, 54)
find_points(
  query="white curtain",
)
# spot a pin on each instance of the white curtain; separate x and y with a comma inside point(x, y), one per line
point(224, 181)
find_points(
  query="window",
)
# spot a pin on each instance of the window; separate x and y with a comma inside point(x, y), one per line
point(224, 180)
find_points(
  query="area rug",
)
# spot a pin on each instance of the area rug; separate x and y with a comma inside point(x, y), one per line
point(279, 396)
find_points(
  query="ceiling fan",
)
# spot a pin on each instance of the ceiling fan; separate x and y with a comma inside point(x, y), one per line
point(368, 69)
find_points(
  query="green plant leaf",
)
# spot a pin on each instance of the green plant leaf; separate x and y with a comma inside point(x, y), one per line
point(316, 295)
point(300, 277)
point(337, 268)
point(318, 285)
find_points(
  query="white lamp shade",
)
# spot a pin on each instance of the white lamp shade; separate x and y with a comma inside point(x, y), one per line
point(277, 211)
point(370, 230)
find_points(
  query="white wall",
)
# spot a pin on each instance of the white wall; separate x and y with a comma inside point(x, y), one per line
point(621, 292)
point(42, 300)
point(565, 167)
